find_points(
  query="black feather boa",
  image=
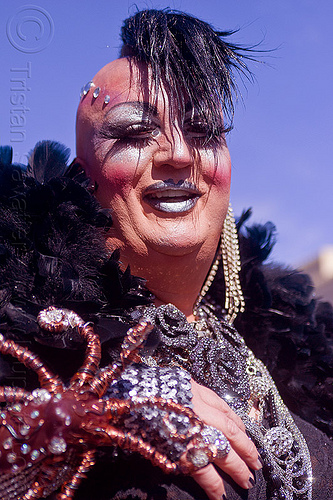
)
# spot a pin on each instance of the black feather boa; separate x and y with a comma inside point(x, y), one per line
point(53, 252)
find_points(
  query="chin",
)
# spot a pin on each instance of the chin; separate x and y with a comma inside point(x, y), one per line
point(177, 246)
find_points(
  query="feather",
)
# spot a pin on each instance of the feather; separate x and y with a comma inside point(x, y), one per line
point(48, 160)
point(6, 155)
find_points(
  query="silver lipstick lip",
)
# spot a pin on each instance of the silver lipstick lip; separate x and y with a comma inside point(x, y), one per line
point(169, 184)
point(179, 197)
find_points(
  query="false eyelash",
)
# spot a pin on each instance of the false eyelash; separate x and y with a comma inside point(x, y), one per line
point(136, 141)
point(128, 134)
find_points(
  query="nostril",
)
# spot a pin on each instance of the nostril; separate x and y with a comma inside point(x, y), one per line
point(174, 152)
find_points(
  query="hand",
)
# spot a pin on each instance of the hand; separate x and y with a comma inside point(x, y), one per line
point(243, 454)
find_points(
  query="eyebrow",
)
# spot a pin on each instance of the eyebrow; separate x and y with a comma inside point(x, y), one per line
point(145, 106)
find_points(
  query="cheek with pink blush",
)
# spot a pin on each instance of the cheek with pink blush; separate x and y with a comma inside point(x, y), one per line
point(219, 174)
point(122, 171)
point(116, 178)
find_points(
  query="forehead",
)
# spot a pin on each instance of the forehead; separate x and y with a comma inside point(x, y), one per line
point(124, 80)
point(120, 81)
point(121, 78)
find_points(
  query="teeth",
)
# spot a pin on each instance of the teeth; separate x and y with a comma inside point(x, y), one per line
point(175, 206)
point(170, 194)
point(172, 205)
point(172, 200)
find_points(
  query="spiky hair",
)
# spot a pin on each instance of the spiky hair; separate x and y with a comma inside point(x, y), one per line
point(192, 60)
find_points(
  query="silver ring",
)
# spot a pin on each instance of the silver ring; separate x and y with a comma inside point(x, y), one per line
point(213, 437)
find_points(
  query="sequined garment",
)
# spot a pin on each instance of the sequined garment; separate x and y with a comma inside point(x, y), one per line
point(216, 356)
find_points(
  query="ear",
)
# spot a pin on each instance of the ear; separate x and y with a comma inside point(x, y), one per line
point(82, 165)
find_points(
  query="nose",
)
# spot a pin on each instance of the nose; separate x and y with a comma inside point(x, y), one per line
point(173, 150)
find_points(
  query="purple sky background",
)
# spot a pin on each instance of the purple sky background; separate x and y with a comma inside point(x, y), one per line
point(282, 142)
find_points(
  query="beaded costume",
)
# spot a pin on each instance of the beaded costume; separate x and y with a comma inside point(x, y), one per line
point(48, 220)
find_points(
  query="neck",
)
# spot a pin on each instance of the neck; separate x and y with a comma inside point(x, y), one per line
point(173, 279)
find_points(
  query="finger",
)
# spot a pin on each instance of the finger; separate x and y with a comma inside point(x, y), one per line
point(216, 415)
point(242, 444)
point(210, 398)
point(239, 441)
point(236, 468)
point(210, 481)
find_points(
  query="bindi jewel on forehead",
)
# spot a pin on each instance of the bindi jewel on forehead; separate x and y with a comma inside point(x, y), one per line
point(97, 90)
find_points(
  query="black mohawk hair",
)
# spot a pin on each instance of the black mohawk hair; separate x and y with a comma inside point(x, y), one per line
point(194, 62)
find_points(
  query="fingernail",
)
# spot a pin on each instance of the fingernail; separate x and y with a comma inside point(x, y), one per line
point(259, 463)
point(252, 482)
